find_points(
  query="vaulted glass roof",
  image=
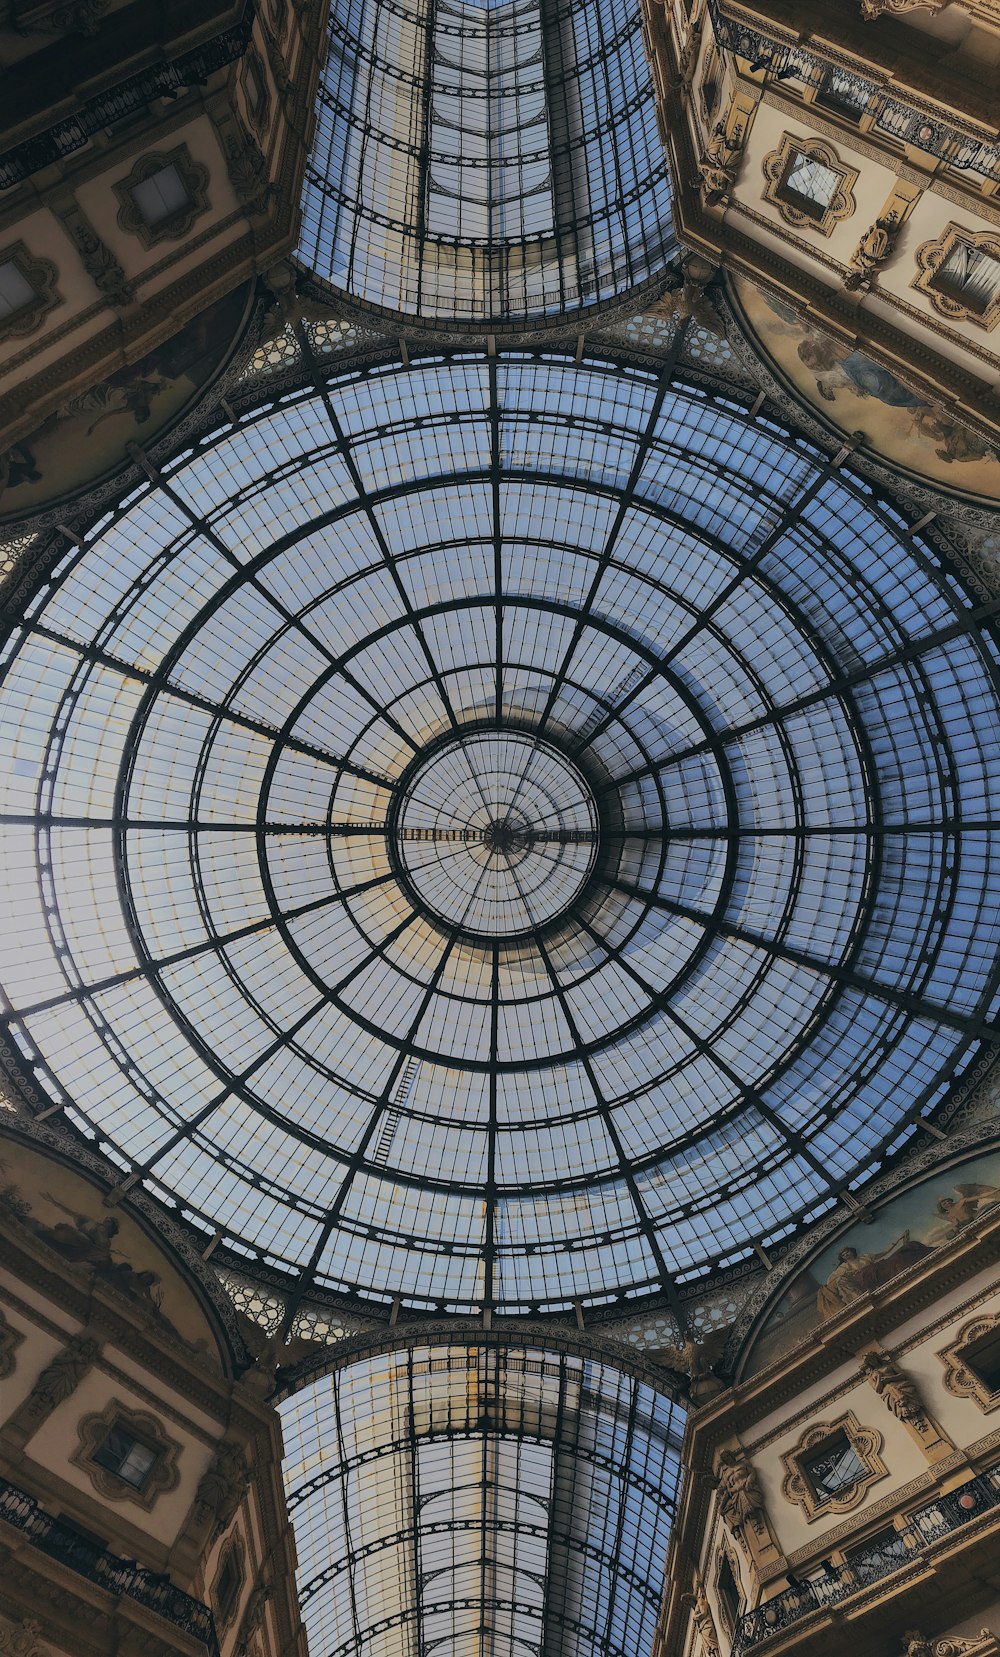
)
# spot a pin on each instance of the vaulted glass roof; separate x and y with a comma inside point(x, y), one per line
point(499, 830)
point(467, 1500)
point(479, 163)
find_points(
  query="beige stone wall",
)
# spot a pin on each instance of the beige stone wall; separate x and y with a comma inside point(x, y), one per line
point(87, 1339)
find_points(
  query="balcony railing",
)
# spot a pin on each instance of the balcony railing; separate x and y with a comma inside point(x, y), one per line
point(119, 1576)
point(924, 1525)
point(905, 122)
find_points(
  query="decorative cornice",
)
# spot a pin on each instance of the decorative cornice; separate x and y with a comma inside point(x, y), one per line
point(174, 1242)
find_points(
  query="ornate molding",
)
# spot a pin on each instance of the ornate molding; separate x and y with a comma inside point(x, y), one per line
point(983, 1644)
point(975, 1090)
point(59, 1379)
point(875, 1510)
point(204, 1281)
point(194, 178)
point(720, 164)
point(233, 1558)
point(58, 17)
point(10, 1340)
point(960, 1379)
point(780, 163)
point(872, 9)
point(866, 1443)
point(704, 1622)
point(931, 256)
point(163, 1474)
point(897, 1390)
point(872, 252)
point(40, 275)
point(24, 1641)
point(256, 92)
point(221, 1488)
point(96, 257)
point(744, 1511)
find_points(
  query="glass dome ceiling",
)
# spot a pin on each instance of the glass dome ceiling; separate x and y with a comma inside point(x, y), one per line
point(486, 162)
point(466, 1500)
point(499, 831)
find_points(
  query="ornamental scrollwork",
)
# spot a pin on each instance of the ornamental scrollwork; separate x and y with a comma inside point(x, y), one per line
point(797, 1487)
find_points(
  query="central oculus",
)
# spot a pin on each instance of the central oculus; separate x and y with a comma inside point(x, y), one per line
point(496, 832)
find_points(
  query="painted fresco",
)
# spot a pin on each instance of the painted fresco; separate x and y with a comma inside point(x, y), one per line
point(66, 1212)
point(84, 439)
point(859, 395)
point(903, 1234)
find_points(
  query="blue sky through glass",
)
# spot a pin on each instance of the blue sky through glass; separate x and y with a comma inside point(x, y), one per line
point(726, 928)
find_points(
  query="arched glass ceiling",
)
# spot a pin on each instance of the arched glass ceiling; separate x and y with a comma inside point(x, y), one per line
point(485, 162)
point(472, 1500)
point(500, 831)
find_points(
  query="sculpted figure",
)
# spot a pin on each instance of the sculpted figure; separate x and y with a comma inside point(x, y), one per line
point(719, 165)
point(897, 1391)
point(62, 1376)
point(740, 1496)
point(704, 1622)
point(871, 254)
point(221, 1486)
point(696, 1360)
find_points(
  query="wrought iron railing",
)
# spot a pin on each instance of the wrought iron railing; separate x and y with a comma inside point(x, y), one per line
point(924, 1525)
point(917, 123)
point(163, 79)
point(119, 1576)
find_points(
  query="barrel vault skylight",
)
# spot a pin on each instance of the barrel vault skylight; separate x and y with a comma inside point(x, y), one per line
point(499, 832)
point(480, 162)
point(478, 1501)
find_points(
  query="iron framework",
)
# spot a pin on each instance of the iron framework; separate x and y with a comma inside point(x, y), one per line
point(478, 163)
point(504, 1499)
point(780, 704)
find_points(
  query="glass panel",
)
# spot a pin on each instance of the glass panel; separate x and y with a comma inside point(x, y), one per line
point(836, 1467)
point(122, 1454)
point(15, 290)
point(463, 1499)
point(810, 178)
point(484, 161)
point(532, 841)
point(161, 195)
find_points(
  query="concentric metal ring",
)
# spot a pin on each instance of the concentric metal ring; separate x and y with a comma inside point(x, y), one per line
point(761, 722)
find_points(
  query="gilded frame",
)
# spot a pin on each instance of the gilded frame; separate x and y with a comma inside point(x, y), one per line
point(931, 256)
point(866, 1443)
point(162, 1476)
point(779, 163)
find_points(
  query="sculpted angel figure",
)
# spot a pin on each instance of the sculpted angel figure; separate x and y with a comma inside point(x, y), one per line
point(696, 1360)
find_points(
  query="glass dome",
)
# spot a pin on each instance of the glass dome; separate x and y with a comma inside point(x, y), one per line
point(481, 163)
point(470, 1499)
point(499, 832)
